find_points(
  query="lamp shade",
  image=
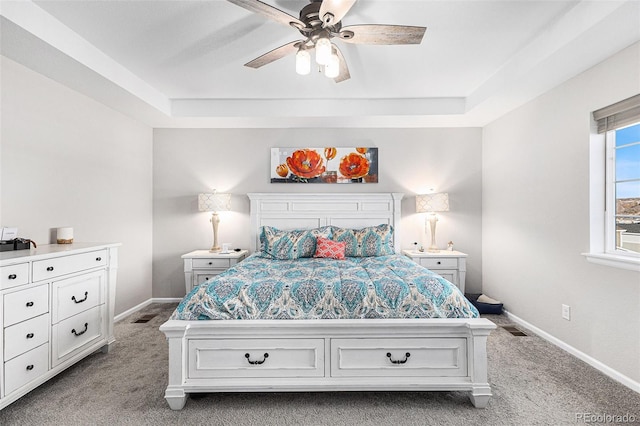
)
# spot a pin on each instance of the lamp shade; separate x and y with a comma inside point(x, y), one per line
point(429, 203)
point(214, 202)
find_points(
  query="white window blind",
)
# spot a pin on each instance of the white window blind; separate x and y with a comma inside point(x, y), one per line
point(618, 115)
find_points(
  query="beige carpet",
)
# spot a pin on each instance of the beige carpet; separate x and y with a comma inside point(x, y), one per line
point(534, 383)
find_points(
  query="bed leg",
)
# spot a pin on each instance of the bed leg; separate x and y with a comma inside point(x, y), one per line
point(480, 396)
point(176, 398)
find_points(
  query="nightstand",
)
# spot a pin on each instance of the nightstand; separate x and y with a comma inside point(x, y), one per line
point(451, 265)
point(202, 265)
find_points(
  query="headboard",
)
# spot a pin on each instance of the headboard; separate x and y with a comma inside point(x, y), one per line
point(304, 211)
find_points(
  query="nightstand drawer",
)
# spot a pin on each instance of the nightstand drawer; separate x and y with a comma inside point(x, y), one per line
point(439, 263)
point(200, 278)
point(210, 263)
point(14, 275)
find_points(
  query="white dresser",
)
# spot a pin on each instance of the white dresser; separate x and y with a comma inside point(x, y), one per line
point(56, 307)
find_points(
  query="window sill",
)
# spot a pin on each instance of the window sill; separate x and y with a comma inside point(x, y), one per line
point(630, 263)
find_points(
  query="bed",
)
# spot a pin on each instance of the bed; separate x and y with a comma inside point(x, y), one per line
point(283, 321)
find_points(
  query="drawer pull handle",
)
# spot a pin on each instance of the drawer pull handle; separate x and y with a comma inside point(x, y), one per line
point(98, 259)
point(398, 361)
point(13, 276)
point(49, 268)
point(30, 336)
point(29, 367)
point(210, 263)
point(439, 263)
point(86, 294)
point(256, 362)
point(29, 304)
point(86, 326)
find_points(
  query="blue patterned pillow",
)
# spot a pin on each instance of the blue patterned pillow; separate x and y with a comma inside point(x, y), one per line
point(289, 245)
point(366, 242)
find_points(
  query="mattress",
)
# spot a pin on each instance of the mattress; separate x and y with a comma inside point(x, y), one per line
point(381, 287)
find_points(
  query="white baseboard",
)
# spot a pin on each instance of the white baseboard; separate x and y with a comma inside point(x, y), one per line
point(144, 304)
point(615, 375)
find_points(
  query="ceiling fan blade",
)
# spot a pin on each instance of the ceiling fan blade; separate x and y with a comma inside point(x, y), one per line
point(256, 6)
point(332, 11)
point(382, 34)
point(344, 69)
point(275, 54)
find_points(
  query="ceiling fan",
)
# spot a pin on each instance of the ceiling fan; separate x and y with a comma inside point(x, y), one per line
point(319, 22)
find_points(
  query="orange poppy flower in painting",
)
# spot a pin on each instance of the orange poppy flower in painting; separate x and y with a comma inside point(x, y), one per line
point(330, 153)
point(305, 163)
point(361, 150)
point(282, 170)
point(354, 166)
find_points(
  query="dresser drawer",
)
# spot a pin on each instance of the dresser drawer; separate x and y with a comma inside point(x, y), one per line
point(439, 263)
point(72, 334)
point(24, 336)
point(25, 368)
point(14, 275)
point(74, 295)
point(211, 263)
point(58, 266)
point(420, 357)
point(256, 358)
point(24, 304)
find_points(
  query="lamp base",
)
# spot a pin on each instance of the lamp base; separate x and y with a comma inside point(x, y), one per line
point(215, 250)
point(433, 250)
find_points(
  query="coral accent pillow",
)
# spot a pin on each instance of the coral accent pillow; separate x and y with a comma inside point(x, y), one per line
point(330, 249)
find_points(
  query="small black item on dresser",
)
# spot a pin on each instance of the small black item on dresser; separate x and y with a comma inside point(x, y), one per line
point(16, 244)
point(237, 249)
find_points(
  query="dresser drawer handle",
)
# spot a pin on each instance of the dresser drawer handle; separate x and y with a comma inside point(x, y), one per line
point(98, 259)
point(86, 294)
point(439, 263)
point(30, 336)
point(49, 268)
point(398, 361)
point(210, 263)
point(13, 276)
point(86, 327)
point(256, 362)
point(29, 367)
point(29, 304)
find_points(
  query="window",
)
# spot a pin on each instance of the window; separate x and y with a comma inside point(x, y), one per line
point(623, 189)
point(615, 186)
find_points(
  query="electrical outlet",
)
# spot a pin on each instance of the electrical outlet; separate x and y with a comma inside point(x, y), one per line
point(566, 312)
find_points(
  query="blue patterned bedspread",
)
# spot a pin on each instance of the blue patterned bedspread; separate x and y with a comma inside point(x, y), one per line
point(309, 288)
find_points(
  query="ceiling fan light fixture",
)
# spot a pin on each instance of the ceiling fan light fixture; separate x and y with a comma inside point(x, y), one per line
point(303, 62)
point(332, 69)
point(323, 50)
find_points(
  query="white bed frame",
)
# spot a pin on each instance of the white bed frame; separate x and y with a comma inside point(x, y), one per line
point(327, 355)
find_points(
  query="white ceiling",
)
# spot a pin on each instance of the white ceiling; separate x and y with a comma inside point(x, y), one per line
point(180, 63)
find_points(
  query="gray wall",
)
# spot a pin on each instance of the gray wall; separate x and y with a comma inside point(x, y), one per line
point(67, 160)
point(189, 161)
point(536, 219)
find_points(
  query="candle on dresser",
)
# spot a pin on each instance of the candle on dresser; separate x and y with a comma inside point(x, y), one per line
point(65, 235)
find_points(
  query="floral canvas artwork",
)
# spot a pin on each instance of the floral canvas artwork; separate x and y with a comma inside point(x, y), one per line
point(324, 165)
